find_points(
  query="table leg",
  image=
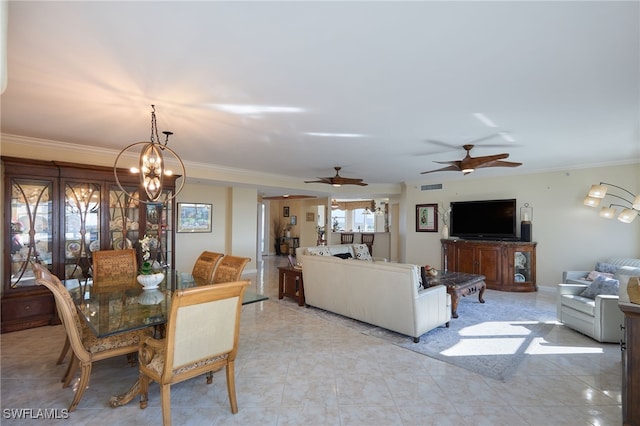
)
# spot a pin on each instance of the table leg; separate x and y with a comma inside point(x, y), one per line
point(120, 400)
point(483, 286)
point(281, 285)
point(455, 298)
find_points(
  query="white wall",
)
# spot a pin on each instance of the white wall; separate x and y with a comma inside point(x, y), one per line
point(234, 224)
point(570, 236)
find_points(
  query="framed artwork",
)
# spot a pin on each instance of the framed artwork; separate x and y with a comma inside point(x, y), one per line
point(285, 211)
point(310, 217)
point(426, 215)
point(294, 220)
point(194, 217)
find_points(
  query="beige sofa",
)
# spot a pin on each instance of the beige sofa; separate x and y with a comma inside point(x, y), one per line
point(379, 293)
point(599, 318)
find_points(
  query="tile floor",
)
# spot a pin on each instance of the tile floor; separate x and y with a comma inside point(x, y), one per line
point(296, 368)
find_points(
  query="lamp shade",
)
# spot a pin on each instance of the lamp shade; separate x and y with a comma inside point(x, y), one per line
point(598, 191)
point(607, 212)
point(627, 216)
point(591, 201)
point(636, 203)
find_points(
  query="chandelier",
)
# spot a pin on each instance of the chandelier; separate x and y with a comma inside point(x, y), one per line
point(151, 166)
point(629, 211)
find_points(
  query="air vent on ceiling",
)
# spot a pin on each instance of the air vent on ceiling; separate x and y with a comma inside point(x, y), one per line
point(431, 187)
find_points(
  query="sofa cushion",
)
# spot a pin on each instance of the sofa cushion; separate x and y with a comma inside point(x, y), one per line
point(362, 253)
point(579, 303)
point(319, 251)
point(601, 285)
point(595, 274)
point(341, 249)
point(606, 267)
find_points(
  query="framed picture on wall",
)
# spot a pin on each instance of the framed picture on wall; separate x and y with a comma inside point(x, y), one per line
point(426, 215)
point(294, 220)
point(194, 217)
point(310, 217)
point(285, 211)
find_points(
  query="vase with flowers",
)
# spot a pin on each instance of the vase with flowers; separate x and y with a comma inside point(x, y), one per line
point(148, 278)
point(444, 217)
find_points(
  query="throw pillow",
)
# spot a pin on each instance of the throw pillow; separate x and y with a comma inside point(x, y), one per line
point(362, 252)
point(318, 251)
point(343, 255)
point(606, 267)
point(595, 274)
point(601, 285)
point(423, 277)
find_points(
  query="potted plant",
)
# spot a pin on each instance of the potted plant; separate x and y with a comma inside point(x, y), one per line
point(148, 278)
point(277, 228)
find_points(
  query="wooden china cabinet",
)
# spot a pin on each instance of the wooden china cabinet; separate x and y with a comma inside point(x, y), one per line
point(507, 265)
point(57, 214)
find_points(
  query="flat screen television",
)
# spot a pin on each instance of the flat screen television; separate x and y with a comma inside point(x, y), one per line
point(484, 220)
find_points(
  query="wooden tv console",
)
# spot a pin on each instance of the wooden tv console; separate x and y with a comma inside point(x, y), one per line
point(506, 265)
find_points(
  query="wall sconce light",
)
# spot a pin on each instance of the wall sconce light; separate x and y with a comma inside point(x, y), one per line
point(598, 192)
point(152, 166)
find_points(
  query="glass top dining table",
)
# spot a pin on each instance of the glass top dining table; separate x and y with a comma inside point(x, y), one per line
point(118, 306)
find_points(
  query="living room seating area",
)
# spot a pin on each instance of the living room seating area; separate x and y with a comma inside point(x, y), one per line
point(295, 367)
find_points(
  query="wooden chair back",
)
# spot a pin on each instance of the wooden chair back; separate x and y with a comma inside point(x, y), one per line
point(114, 269)
point(204, 267)
point(346, 238)
point(230, 269)
point(368, 240)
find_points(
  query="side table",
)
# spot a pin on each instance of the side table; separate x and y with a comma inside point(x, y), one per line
point(290, 284)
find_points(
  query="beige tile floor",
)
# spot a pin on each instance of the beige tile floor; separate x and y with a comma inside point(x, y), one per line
point(296, 368)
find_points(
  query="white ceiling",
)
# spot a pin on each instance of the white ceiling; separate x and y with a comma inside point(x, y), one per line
point(562, 78)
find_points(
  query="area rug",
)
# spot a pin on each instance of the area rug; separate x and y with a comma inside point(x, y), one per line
point(490, 339)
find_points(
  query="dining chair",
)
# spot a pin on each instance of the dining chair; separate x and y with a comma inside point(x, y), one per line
point(113, 267)
point(230, 269)
point(87, 348)
point(204, 267)
point(368, 240)
point(346, 238)
point(189, 349)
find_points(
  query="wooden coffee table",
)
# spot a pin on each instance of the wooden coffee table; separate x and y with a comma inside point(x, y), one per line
point(460, 284)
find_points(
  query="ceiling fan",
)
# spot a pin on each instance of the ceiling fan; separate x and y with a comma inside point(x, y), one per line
point(338, 180)
point(468, 164)
point(288, 197)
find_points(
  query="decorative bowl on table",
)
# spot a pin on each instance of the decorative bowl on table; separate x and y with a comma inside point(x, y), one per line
point(150, 281)
point(150, 297)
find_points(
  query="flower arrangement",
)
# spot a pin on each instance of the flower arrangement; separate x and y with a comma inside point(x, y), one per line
point(146, 244)
point(444, 214)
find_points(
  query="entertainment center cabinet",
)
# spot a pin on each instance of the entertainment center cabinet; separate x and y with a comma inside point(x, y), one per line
point(507, 265)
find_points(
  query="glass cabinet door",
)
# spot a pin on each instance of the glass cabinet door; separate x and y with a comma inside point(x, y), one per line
point(522, 266)
point(81, 228)
point(31, 228)
point(124, 219)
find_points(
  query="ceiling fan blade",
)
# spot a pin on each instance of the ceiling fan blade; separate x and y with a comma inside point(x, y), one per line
point(476, 162)
point(321, 180)
point(452, 167)
point(454, 162)
point(498, 163)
